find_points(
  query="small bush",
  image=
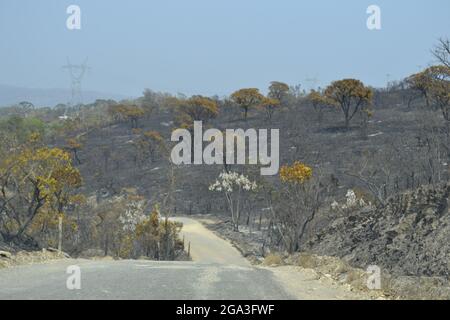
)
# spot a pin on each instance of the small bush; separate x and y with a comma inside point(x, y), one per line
point(273, 259)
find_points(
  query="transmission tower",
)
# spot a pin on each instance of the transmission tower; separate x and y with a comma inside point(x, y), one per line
point(76, 73)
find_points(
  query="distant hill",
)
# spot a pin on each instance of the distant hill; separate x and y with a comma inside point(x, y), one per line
point(10, 95)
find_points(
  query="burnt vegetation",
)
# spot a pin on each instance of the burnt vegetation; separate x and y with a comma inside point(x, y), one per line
point(348, 151)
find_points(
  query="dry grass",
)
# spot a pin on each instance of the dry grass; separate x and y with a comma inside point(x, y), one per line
point(273, 260)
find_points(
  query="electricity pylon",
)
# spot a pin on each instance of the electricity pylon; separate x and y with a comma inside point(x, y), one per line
point(77, 73)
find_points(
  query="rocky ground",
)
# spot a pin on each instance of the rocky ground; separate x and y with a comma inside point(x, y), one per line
point(408, 237)
point(8, 259)
point(408, 240)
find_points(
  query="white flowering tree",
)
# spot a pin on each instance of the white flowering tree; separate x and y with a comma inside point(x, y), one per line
point(133, 216)
point(233, 185)
point(351, 203)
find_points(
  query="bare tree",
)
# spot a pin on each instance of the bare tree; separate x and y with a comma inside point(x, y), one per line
point(442, 51)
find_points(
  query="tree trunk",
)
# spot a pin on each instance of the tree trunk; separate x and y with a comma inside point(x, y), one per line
point(347, 122)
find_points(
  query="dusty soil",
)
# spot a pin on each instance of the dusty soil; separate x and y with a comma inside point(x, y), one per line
point(205, 247)
point(298, 280)
point(29, 258)
point(208, 246)
point(311, 284)
point(333, 271)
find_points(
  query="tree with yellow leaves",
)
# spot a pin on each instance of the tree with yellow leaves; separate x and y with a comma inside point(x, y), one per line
point(269, 105)
point(158, 237)
point(149, 144)
point(246, 99)
point(196, 108)
point(127, 112)
point(434, 85)
point(439, 88)
point(298, 173)
point(294, 205)
point(351, 96)
point(278, 91)
point(34, 181)
point(319, 102)
point(420, 82)
point(200, 108)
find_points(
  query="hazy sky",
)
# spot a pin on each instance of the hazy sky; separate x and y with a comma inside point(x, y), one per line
point(215, 46)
